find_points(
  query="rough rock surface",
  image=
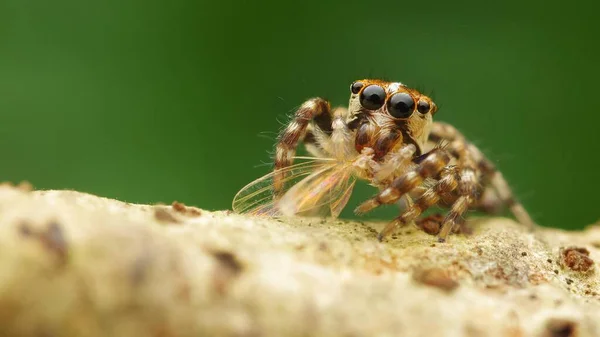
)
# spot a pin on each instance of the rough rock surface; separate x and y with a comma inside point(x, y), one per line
point(73, 264)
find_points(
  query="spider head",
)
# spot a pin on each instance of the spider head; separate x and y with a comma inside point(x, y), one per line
point(393, 105)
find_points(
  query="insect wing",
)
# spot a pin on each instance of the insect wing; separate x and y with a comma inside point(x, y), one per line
point(257, 197)
point(323, 193)
point(318, 187)
point(338, 204)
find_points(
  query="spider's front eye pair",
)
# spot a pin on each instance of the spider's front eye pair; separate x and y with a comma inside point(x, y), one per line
point(399, 105)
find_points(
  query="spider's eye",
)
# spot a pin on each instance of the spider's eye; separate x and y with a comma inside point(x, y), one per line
point(372, 97)
point(401, 105)
point(356, 86)
point(423, 107)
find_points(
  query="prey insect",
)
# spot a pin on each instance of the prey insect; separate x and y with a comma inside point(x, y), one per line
point(388, 138)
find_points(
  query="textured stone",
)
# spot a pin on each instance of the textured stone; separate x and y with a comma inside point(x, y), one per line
point(73, 264)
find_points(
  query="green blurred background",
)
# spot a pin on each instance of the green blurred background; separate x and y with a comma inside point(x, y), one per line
point(152, 101)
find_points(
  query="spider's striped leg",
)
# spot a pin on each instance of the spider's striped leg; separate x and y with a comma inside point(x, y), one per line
point(505, 194)
point(430, 166)
point(474, 161)
point(468, 184)
point(337, 143)
point(310, 142)
point(488, 202)
point(315, 111)
point(447, 183)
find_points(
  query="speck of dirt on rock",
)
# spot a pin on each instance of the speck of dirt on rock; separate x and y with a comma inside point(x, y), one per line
point(536, 278)
point(228, 267)
point(560, 328)
point(24, 186)
point(435, 277)
point(576, 258)
point(24, 229)
point(183, 209)
point(52, 238)
point(431, 224)
point(228, 261)
point(163, 215)
point(323, 246)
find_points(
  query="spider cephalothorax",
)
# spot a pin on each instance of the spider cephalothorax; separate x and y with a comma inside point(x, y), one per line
point(386, 136)
point(386, 115)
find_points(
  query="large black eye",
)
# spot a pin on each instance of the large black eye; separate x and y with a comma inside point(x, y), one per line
point(401, 105)
point(372, 97)
point(356, 86)
point(423, 106)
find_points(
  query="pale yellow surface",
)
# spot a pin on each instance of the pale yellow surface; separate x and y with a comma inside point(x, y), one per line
point(73, 264)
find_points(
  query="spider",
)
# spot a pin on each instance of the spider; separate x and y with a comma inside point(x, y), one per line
point(387, 137)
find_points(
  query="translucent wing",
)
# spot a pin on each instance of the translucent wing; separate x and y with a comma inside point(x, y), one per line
point(324, 192)
point(257, 197)
point(314, 187)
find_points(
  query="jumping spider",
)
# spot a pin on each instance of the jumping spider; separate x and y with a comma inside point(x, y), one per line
point(387, 137)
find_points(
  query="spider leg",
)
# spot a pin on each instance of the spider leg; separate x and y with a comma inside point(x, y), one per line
point(430, 166)
point(312, 144)
point(447, 183)
point(315, 112)
point(468, 183)
point(489, 202)
point(490, 175)
point(334, 142)
point(473, 160)
point(506, 196)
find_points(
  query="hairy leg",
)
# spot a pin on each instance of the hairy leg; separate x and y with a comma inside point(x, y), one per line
point(311, 144)
point(430, 166)
point(315, 110)
point(507, 198)
point(477, 172)
point(468, 185)
point(447, 183)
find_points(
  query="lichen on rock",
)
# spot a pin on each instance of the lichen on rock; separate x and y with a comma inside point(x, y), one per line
point(73, 264)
